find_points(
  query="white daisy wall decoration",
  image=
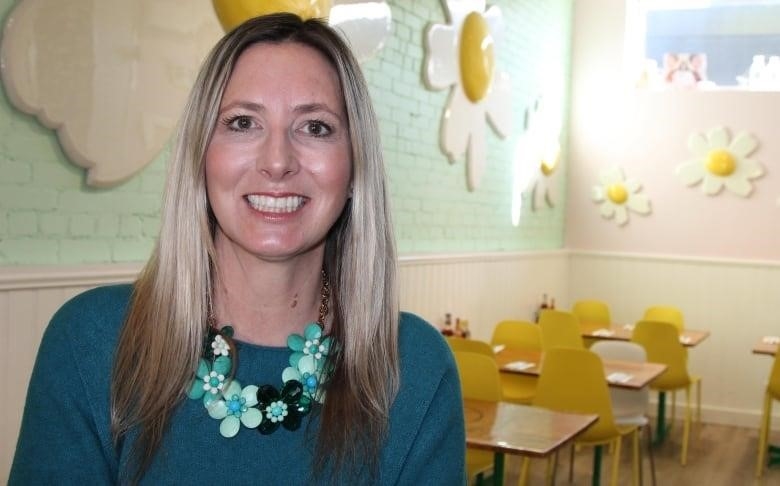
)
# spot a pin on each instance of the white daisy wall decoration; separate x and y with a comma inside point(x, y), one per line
point(618, 195)
point(537, 157)
point(461, 55)
point(721, 162)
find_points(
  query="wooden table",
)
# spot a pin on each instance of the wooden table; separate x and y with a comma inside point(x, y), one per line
point(688, 337)
point(764, 347)
point(508, 428)
point(638, 375)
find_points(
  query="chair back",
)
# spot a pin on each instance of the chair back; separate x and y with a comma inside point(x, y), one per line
point(625, 403)
point(592, 311)
point(572, 380)
point(665, 313)
point(661, 341)
point(471, 345)
point(479, 376)
point(517, 334)
point(560, 329)
point(773, 386)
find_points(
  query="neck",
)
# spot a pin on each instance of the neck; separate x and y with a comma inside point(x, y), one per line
point(266, 302)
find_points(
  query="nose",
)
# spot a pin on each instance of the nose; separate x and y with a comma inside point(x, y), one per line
point(277, 158)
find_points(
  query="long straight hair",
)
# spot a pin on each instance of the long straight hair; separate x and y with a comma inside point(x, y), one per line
point(172, 298)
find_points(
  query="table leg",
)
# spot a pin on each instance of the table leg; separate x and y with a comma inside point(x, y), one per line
point(596, 466)
point(498, 469)
point(660, 427)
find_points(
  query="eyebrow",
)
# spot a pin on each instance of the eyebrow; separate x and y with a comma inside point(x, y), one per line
point(259, 107)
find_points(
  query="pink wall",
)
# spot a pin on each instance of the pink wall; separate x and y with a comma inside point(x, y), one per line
point(646, 133)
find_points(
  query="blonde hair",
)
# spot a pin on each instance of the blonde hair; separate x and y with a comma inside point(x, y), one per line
point(171, 300)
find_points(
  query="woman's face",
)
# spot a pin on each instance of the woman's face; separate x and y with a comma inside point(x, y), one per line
point(278, 166)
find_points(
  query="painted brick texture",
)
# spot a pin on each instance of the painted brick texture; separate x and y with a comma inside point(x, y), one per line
point(48, 215)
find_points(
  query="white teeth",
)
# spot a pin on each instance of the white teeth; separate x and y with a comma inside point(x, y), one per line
point(270, 204)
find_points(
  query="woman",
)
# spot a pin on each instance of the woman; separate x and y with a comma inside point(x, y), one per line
point(269, 303)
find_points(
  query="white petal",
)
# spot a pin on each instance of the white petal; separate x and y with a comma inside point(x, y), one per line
point(633, 186)
point(229, 426)
point(495, 20)
point(597, 193)
point(549, 198)
point(749, 168)
point(740, 187)
point(743, 144)
point(251, 418)
point(457, 124)
point(234, 388)
point(498, 105)
point(621, 215)
point(366, 25)
point(691, 172)
point(217, 409)
point(476, 158)
point(698, 145)
point(306, 365)
point(712, 184)
point(291, 373)
point(607, 209)
point(639, 203)
point(249, 394)
point(718, 137)
point(441, 64)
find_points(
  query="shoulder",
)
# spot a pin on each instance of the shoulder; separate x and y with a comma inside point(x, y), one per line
point(422, 347)
point(93, 317)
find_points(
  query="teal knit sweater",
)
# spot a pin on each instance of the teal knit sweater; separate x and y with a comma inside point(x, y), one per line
point(65, 435)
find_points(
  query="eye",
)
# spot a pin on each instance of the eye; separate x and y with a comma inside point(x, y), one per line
point(317, 128)
point(238, 123)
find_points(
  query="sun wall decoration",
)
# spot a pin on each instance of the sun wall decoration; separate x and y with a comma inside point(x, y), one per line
point(618, 195)
point(721, 162)
point(111, 77)
point(461, 55)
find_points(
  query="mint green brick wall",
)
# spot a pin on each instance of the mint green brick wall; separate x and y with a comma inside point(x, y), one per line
point(49, 216)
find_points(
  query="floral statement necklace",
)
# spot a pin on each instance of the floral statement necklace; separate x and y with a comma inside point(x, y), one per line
point(263, 407)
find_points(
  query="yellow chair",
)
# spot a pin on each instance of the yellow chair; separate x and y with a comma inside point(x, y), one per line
point(629, 407)
point(560, 329)
point(771, 393)
point(668, 313)
point(572, 380)
point(592, 311)
point(522, 335)
point(479, 380)
point(661, 341)
point(470, 345)
point(665, 313)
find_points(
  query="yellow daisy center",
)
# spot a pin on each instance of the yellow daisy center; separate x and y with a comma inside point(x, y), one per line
point(476, 57)
point(231, 13)
point(617, 193)
point(548, 166)
point(720, 162)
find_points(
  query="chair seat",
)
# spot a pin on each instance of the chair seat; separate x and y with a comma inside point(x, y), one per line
point(631, 420)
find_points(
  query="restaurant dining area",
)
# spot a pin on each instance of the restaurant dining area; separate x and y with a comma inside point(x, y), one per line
point(583, 201)
point(534, 393)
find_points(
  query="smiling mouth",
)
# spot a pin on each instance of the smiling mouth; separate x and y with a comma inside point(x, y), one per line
point(269, 204)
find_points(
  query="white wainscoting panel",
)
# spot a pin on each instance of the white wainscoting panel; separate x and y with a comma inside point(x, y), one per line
point(28, 299)
point(737, 301)
point(482, 288)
